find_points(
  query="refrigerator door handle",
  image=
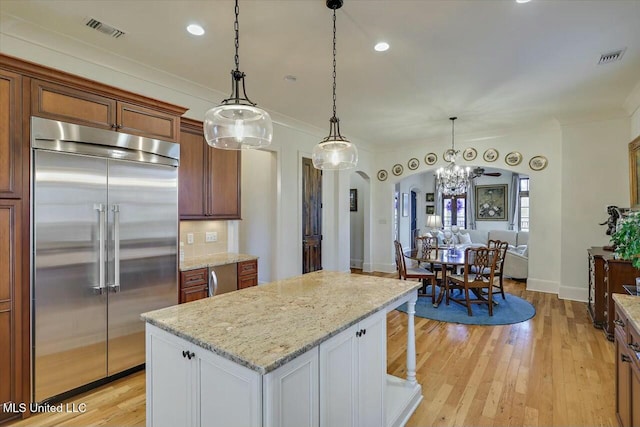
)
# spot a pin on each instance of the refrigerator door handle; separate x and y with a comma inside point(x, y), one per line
point(115, 287)
point(213, 284)
point(99, 290)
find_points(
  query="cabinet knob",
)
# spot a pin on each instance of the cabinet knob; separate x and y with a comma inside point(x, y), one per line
point(184, 353)
point(625, 358)
point(635, 347)
point(358, 333)
point(619, 322)
point(190, 355)
point(364, 331)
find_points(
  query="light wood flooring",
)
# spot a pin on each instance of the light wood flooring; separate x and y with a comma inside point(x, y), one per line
point(552, 370)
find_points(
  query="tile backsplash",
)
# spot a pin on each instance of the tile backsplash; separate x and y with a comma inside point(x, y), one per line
point(199, 229)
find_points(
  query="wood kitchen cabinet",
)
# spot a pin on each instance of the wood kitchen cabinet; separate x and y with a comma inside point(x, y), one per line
point(627, 344)
point(209, 178)
point(247, 274)
point(596, 303)
point(68, 104)
point(11, 362)
point(194, 285)
point(10, 135)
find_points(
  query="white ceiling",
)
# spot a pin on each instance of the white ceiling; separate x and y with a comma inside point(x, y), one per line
point(495, 64)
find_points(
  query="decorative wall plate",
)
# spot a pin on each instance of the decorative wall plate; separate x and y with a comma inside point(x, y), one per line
point(449, 155)
point(397, 169)
point(538, 163)
point(491, 155)
point(513, 158)
point(469, 154)
point(413, 164)
point(382, 175)
point(431, 159)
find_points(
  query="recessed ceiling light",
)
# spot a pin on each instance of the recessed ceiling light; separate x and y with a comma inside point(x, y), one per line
point(381, 47)
point(195, 29)
point(289, 78)
point(523, 1)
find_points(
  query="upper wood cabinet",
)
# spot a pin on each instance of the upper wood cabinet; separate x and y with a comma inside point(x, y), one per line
point(64, 103)
point(209, 178)
point(10, 135)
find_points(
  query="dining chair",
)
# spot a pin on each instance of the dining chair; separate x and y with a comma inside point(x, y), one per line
point(419, 273)
point(501, 247)
point(428, 247)
point(478, 275)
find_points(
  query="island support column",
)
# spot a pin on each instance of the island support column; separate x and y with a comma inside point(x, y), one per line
point(411, 341)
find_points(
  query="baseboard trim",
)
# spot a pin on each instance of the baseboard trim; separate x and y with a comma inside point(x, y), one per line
point(356, 263)
point(573, 294)
point(384, 268)
point(366, 267)
point(540, 285)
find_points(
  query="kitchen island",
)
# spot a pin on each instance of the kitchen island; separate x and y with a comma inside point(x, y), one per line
point(306, 351)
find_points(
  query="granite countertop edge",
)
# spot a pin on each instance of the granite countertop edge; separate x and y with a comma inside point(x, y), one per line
point(626, 302)
point(286, 358)
point(215, 260)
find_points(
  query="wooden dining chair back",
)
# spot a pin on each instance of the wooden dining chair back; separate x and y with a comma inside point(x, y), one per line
point(422, 274)
point(478, 276)
point(501, 247)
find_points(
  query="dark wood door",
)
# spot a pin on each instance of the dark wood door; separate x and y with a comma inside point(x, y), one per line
point(311, 217)
point(414, 219)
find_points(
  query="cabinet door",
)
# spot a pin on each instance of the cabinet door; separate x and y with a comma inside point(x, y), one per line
point(227, 394)
point(291, 393)
point(338, 379)
point(372, 368)
point(224, 184)
point(10, 282)
point(635, 395)
point(170, 382)
point(10, 135)
point(623, 384)
point(192, 173)
point(66, 104)
point(193, 285)
point(144, 121)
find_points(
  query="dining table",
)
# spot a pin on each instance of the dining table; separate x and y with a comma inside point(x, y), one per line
point(445, 257)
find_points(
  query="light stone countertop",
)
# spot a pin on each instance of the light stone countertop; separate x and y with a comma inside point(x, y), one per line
point(214, 260)
point(630, 305)
point(266, 326)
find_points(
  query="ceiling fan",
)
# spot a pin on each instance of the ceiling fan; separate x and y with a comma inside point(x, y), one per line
point(476, 172)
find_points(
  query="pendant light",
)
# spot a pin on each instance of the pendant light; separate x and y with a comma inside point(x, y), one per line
point(335, 152)
point(452, 180)
point(237, 123)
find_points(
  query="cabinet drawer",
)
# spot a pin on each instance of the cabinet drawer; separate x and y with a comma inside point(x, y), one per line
point(620, 321)
point(246, 268)
point(634, 347)
point(247, 281)
point(193, 277)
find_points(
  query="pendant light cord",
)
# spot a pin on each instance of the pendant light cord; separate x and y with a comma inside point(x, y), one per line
point(334, 63)
point(236, 27)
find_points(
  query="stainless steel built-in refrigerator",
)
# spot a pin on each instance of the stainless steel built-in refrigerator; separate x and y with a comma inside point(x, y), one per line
point(104, 243)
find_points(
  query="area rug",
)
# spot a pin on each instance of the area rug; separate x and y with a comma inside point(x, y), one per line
point(508, 311)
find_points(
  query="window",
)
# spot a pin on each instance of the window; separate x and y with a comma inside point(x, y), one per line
point(454, 211)
point(524, 204)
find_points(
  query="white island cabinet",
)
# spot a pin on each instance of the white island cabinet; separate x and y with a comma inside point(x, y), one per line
point(305, 351)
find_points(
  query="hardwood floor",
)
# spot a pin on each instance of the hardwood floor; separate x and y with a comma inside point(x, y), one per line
point(552, 370)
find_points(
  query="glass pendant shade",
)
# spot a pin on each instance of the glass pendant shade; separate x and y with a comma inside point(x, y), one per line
point(237, 126)
point(335, 155)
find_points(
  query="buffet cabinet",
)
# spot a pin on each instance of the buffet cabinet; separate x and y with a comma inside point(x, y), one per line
point(607, 276)
point(627, 342)
point(28, 89)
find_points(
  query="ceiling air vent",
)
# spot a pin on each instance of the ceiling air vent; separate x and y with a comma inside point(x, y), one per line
point(614, 56)
point(104, 28)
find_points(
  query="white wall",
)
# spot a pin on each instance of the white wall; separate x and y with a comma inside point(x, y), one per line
point(595, 174)
point(256, 234)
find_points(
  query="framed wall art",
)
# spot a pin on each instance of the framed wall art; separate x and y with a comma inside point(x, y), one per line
point(431, 210)
point(431, 197)
point(353, 200)
point(491, 202)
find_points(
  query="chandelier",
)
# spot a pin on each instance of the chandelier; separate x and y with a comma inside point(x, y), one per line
point(452, 180)
point(237, 123)
point(335, 152)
